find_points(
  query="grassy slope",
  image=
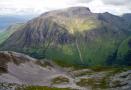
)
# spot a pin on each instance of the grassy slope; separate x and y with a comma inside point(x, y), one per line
point(124, 53)
point(92, 54)
point(124, 47)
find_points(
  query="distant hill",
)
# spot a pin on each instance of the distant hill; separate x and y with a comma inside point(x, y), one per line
point(5, 34)
point(6, 21)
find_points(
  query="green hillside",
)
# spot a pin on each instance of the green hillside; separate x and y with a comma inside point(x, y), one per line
point(124, 53)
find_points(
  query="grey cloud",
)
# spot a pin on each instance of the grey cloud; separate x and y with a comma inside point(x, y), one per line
point(112, 2)
point(84, 1)
point(116, 2)
point(119, 6)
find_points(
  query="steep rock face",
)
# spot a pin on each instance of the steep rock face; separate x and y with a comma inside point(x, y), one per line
point(74, 35)
point(127, 18)
point(113, 20)
point(36, 37)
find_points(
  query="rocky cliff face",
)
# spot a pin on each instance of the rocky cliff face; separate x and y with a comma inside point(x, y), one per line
point(74, 35)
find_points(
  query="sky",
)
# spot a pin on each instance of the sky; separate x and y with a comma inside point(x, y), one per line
point(36, 7)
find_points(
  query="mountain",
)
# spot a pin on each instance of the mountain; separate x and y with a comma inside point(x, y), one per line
point(21, 72)
point(72, 36)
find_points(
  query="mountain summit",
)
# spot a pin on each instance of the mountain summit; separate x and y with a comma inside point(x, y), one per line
point(74, 36)
point(72, 11)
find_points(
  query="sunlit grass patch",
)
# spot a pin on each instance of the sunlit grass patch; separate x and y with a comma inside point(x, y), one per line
point(42, 88)
point(60, 80)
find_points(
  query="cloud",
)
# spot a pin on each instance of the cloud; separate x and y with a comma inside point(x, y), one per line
point(39, 6)
point(117, 2)
point(117, 7)
point(33, 6)
point(84, 1)
point(111, 2)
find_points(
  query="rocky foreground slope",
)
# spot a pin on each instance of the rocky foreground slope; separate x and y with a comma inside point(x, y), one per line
point(21, 72)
